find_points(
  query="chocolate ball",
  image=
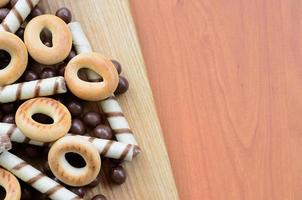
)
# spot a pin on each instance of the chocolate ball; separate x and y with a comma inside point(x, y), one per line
point(92, 119)
point(3, 13)
point(7, 107)
point(12, 3)
point(103, 132)
point(75, 108)
point(61, 70)
point(117, 66)
point(70, 56)
point(9, 118)
point(99, 197)
point(77, 127)
point(48, 44)
point(118, 175)
point(30, 75)
point(46, 35)
point(48, 73)
point(37, 11)
point(122, 87)
point(20, 33)
point(95, 182)
point(65, 14)
point(33, 151)
point(79, 191)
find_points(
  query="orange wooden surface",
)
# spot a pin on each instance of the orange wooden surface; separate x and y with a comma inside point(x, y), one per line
point(227, 80)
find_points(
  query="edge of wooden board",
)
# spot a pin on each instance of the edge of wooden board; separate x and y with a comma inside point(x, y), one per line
point(111, 31)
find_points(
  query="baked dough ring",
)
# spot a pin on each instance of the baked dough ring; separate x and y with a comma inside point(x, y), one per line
point(43, 132)
point(61, 39)
point(91, 91)
point(3, 3)
point(65, 172)
point(10, 184)
point(18, 52)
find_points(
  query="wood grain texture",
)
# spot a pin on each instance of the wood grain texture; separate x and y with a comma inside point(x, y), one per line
point(110, 29)
point(227, 78)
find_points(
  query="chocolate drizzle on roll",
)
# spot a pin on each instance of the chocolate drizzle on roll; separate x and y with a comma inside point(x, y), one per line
point(30, 4)
point(18, 15)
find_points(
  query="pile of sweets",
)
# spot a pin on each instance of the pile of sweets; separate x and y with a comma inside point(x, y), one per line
point(53, 136)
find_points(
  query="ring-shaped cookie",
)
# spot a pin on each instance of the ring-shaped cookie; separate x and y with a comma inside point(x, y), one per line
point(11, 185)
point(18, 53)
point(61, 39)
point(3, 3)
point(64, 171)
point(43, 132)
point(91, 91)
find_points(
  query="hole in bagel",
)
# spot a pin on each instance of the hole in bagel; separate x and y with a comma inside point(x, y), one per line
point(2, 193)
point(42, 118)
point(75, 160)
point(4, 59)
point(82, 75)
point(46, 37)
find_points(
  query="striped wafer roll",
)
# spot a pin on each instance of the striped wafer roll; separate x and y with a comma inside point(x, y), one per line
point(110, 106)
point(5, 143)
point(35, 178)
point(107, 148)
point(27, 90)
point(17, 15)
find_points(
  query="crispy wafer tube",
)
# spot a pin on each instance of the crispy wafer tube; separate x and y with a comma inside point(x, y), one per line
point(17, 15)
point(106, 148)
point(110, 106)
point(35, 178)
point(30, 89)
point(5, 143)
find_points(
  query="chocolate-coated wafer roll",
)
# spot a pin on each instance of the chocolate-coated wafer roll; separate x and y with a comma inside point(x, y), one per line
point(17, 15)
point(5, 143)
point(110, 106)
point(35, 178)
point(107, 148)
point(31, 89)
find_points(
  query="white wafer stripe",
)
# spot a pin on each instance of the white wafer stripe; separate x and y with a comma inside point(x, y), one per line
point(110, 106)
point(27, 90)
point(17, 15)
point(35, 178)
point(106, 148)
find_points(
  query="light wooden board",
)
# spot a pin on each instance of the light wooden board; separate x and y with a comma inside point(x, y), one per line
point(110, 29)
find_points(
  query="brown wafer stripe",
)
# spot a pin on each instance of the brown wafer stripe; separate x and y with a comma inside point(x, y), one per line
point(19, 166)
point(17, 14)
point(19, 91)
point(122, 130)
point(11, 130)
point(5, 26)
point(53, 190)
point(35, 179)
point(56, 87)
point(114, 114)
point(106, 148)
point(37, 88)
point(125, 152)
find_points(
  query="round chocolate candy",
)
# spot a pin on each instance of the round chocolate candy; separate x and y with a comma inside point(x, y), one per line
point(3, 13)
point(92, 119)
point(12, 3)
point(37, 11)
point(117, 66)
point(20, 33)
point(70, 56)
point(8, 107)
point(77, 127)
point(79, 191)
point(103, 132)
point(75, 108)
point(9, 118)
point(118, 174)
point(122, 87)
point(95, 182)
point(30, 75)
point(33, 151)
point(46, 35)
point(61, 69)
point(99, 197)
point(65, 14)
point(48, 73)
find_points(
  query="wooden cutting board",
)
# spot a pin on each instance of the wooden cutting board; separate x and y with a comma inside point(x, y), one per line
point(110, 29)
